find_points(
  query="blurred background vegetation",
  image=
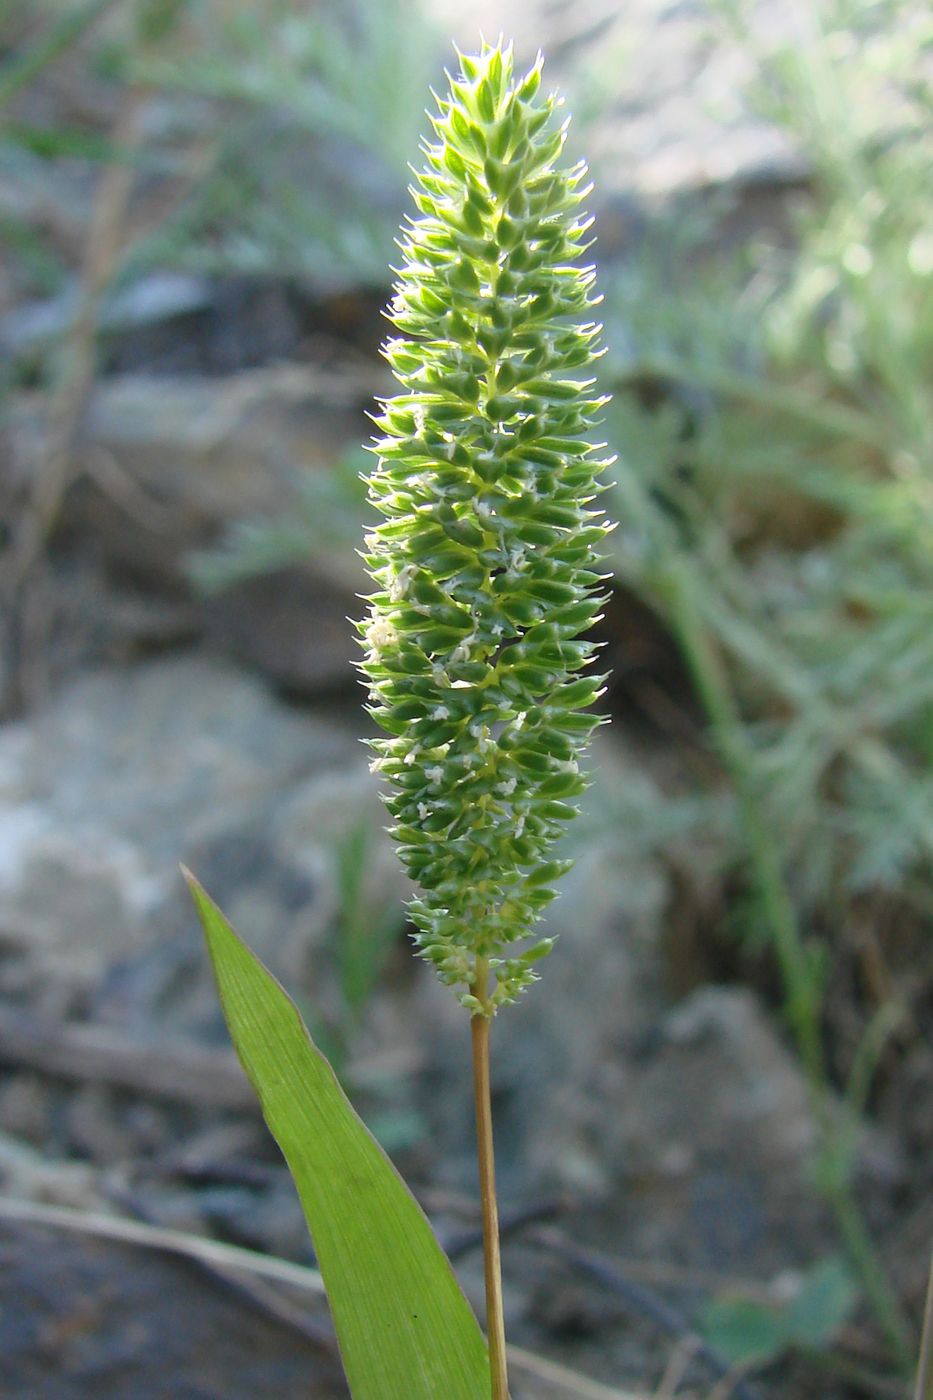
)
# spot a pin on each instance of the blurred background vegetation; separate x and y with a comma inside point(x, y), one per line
point(770, 358)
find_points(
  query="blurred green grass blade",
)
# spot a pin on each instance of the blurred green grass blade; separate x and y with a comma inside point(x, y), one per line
point(61, 34)
point(58, 142)
point(406, 1332)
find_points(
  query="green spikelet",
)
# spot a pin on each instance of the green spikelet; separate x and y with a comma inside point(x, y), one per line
point(486, 562)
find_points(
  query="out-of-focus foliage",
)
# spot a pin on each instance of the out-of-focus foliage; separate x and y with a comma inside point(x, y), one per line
point(748, 1331)
point(277, 136)
point(305, 94)
point(789, 471)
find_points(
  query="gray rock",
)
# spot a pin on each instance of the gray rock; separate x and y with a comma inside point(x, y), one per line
point(716, 1083)
point(291, 625)
point(168, 465)
point(171, 462)
point(127, 774)
point(157, 298)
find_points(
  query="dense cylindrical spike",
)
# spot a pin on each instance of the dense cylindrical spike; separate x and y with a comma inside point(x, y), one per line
point(486, 558)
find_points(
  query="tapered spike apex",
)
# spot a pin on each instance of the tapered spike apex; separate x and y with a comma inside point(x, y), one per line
point(485, 555)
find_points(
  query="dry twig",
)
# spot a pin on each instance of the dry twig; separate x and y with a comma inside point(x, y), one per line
point(27, 605)
point(643, 1299)
point(186, 1074)
point(225, 1259)
point(924, 1388)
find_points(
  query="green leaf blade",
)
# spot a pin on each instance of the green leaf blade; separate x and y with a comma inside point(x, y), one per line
point(405, 1330)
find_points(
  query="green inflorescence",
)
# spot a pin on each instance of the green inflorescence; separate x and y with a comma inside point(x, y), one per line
point(487, 560)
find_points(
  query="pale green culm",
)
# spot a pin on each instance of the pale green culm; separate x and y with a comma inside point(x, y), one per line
point(486, 560)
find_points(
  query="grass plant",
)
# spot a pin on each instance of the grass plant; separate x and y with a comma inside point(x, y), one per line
point(254, 118)
point(487, 570)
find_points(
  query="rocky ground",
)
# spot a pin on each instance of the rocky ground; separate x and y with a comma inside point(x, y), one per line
point(654, 1132)
point(658, 1129)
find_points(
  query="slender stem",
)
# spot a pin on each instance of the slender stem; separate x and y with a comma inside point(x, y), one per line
point(800, 986)
point(924, 1390)
point(495, 1320)
point(870, 1270)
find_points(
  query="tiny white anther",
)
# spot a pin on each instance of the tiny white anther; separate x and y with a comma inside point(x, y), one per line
point(399, 585)
point(381, 634)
